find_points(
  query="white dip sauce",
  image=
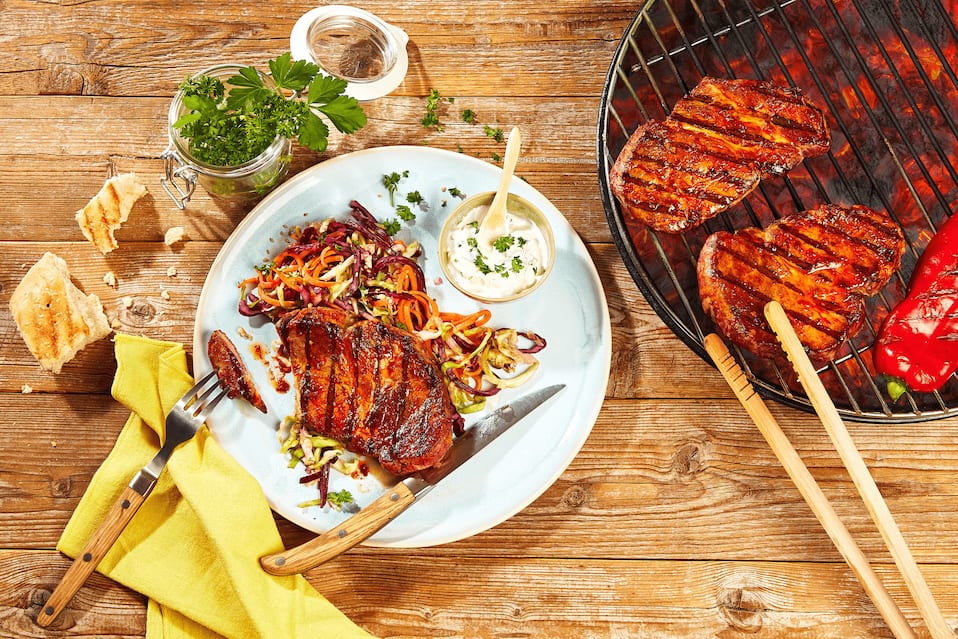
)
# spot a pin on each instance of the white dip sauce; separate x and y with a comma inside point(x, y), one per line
point(513, 263)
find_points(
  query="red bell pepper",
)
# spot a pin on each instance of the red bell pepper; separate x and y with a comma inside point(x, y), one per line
point(917, 344)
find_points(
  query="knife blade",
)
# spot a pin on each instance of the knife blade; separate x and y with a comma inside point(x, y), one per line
point(404, 494)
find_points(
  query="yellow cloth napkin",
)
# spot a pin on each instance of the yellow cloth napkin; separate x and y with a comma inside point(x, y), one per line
point(194, 545)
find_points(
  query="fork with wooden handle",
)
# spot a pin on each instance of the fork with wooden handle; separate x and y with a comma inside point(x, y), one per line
point(807, 486)
point(187, 416)
point(852, 459)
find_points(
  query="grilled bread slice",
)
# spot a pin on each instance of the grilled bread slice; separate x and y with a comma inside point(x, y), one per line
point(55, 318)
point(108, 210)
point(718, 143)
point(819, 264)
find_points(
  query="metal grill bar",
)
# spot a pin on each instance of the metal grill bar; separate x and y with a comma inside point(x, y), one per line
point(883, 74)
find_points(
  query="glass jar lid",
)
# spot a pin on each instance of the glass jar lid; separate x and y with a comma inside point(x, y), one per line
point(354, 45)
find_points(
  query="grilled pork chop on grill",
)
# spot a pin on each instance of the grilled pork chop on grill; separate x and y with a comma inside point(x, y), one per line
point(819, 264)
point(375, 388)
point(718, 143)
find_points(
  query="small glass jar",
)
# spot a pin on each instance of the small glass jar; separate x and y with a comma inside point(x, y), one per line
point(242, 182)
point(354, 45)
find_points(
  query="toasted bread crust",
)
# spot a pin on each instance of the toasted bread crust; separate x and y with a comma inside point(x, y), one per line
point(108, 210)
point(55, 318)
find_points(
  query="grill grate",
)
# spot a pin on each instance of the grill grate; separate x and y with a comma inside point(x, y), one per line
point(882, 71)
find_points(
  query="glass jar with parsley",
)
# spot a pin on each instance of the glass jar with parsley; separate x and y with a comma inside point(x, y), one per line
point(232, 127)
point(228, 157)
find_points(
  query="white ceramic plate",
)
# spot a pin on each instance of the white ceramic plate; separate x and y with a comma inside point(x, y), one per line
point(569, 310)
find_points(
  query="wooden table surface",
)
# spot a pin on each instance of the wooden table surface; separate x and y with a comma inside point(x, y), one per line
point(674, 520)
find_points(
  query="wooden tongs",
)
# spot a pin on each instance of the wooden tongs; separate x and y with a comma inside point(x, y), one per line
point(813, 495)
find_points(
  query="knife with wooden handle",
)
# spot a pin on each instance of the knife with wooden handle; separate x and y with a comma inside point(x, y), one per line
point(397, 499)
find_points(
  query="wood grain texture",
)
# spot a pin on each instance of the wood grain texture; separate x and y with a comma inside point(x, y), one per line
point(675, 521)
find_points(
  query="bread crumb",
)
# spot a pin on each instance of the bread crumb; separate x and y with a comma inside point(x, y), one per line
point(108, 210)
point(171, 272)
point(242, 332)
point(127, 301)
point(165, 294)
point(110, 279)
point(173, 235)
point(26, 389)
point(53, 443)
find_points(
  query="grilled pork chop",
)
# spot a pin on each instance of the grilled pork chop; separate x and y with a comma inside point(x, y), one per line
point(819, 264)
point(375, 388)
point(718, 143)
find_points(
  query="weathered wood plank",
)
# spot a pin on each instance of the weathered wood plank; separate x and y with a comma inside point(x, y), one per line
point(75, 144)
point(492, 597)
point(697, 484)
point(94, 49)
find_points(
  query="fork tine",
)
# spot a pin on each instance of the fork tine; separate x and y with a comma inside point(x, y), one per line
point(192, 395)
point(203, 411)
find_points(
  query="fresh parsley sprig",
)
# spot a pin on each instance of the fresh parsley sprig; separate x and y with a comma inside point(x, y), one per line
point(231, 126)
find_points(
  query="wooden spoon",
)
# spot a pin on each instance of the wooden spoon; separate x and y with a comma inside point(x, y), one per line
point(491, 224)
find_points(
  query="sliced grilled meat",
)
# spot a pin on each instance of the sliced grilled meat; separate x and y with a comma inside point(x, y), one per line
point(718, 143)
point(818, 264)
point(232, 373)
point(375, 388)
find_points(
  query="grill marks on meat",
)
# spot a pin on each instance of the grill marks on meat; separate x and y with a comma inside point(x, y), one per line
point(718, 143)
point(377, 389)
point(819, 264)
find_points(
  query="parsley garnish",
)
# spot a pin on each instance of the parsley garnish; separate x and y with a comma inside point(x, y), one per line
point(468, 116)
point(504, 243)
point(415, 197)
point(405, 213)
point(455, 192)
point(391, 182)
point(227, 127)
point(482, 266)
point(517, 264)
point(391, 226)
point(431, 119)
point(495, 134)
point(338, 499)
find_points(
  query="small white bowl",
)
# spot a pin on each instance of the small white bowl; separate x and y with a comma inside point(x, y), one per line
point(516, 206)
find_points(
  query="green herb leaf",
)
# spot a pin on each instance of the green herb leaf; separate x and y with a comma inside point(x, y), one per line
point(227, 128)
point(339, 498)
point(495, 134)
point(391, 226)
point(344, 112)
point(504, 243)
point(482, 266)
point(313, 133)
point(405, 213)
point(295, 76)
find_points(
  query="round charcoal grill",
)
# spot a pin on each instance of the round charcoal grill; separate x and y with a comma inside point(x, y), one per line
point(882, 72)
